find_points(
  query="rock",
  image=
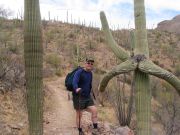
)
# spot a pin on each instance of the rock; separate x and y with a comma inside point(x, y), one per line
point(157, 131)
point(107, 126)
point(123, 131)
point(4, 129)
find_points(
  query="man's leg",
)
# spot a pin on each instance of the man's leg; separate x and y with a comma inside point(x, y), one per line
point(78, 119)
point(77, 106)
point(93, 111)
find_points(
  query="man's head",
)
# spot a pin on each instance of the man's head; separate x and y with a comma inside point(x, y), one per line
point(89, 64)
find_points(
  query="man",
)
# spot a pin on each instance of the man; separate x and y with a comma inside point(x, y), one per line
point(82, 100)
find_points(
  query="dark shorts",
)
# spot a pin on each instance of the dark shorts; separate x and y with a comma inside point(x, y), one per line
point(82, 102)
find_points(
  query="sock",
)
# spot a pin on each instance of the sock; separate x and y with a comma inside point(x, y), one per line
point(95, 125)
point(80, 129)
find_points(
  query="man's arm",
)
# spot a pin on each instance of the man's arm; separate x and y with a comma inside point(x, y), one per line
point(76, 79)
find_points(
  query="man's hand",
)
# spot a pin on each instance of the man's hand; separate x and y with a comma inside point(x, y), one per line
point(78, 90)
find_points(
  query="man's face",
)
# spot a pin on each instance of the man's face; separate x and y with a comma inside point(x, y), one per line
point(89, 65)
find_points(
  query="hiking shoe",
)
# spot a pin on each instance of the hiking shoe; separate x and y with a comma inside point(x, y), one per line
point(81, 133)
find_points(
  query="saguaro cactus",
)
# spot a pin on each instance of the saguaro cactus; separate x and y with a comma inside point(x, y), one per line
point(140, 64)
point(33, 54)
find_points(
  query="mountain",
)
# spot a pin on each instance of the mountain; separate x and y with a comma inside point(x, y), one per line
point(170, 25)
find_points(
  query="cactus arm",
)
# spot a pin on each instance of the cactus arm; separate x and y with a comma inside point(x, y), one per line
point(124, 67)
point(33, 55)
point(152, 69)
point(141, 43)
point(118, 51)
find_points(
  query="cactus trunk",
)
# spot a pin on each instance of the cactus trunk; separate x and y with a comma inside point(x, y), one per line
point(143, 93)
point(33, 54)
point(143, 103)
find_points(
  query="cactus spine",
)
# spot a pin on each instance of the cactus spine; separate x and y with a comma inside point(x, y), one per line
point(33, 54)
point(140, 64)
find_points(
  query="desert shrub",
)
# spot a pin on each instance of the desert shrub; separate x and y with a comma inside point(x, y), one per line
point(17, 23)
point(59, 72)
point(158, 35)
point(91, 45)
point(49, 36)
point(61, 43)
point(71, 35)
point(178, 56)
point(5, 37)
point(168, 112)
point(54, 60)
point(122, 99)
point(177, 69)
point(11, 71)
point(13, 49)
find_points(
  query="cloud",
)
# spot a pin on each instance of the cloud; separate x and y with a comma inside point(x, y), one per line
point(160, 5)
point(118, 12)
point(15, 5)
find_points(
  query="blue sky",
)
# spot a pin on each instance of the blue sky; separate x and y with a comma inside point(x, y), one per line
point(119, 12)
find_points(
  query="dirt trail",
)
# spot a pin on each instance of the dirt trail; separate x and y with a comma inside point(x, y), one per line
point(60, 120)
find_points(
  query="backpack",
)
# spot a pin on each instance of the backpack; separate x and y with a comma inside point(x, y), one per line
point(69, 79)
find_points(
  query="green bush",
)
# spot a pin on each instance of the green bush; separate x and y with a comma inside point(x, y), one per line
point(49, 36)
point(53, 60)
point(14, 49)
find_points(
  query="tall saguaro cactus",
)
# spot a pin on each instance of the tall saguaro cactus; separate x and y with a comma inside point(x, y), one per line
point(143, 94)
point(33, 54)
point(140, 64)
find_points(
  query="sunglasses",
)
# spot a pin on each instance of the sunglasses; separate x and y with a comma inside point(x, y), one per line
point(90, 63)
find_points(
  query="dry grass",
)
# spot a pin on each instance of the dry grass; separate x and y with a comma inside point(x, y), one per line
point(13, 112)
point(107, 114)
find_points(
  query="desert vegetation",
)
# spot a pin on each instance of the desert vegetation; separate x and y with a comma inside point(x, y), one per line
point(65, 46)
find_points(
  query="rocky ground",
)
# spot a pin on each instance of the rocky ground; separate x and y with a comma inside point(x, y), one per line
point(61, 119)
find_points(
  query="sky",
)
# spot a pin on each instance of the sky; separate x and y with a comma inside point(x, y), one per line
point(119, 13)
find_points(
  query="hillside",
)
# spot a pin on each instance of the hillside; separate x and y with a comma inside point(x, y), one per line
point(60, 41)
point(170, 25)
